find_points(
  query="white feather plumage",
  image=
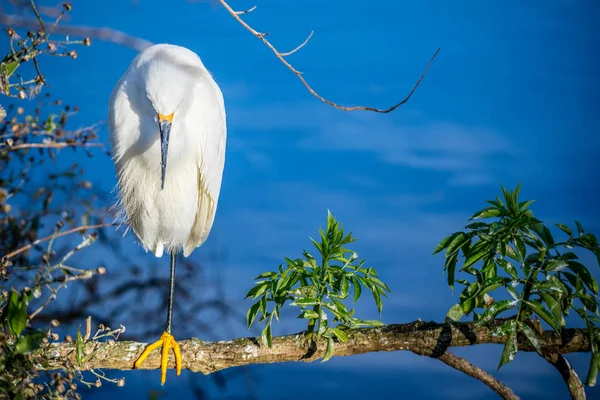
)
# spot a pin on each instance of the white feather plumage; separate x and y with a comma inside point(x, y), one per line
point(168, 79)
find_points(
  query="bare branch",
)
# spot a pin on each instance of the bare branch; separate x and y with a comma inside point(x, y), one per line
point(246, 11)
point(465, 366)
point(426, 338)
point(37, 15)
point(59, 145)
point(54, 236)
point(568, 374)
point(281, 57)
point(106, 34)
point(299, 47)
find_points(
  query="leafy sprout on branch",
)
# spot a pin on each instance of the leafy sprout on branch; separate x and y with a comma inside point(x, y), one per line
point(319, 289)
point(541, 276)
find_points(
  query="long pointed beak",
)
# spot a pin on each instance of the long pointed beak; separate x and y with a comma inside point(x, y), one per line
point(164, 126)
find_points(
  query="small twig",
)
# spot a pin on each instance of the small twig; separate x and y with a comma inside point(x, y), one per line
point(38, 241)
point(281, 57)
point(59, 145)
point(300, 46)
point(37, 15)
point(56, 22)
point(246, 11)
point(106, 34)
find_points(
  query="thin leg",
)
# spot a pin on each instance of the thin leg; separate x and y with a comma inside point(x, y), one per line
point(167, 341)
point(171, 290)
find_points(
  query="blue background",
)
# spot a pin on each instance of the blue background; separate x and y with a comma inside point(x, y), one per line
point(512, 97)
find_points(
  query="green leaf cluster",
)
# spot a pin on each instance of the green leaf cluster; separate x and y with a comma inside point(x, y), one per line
point(15, 320)
point(507, 248)
point(321, 288)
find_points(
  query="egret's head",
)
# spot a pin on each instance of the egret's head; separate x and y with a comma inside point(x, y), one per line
point(165, 74)
point(164, 83)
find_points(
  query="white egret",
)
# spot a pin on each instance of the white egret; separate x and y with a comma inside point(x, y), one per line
point(168, 111)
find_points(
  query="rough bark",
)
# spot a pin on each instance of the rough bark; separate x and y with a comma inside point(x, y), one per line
point(425, 338)
point(568, 374)
point(473, 371)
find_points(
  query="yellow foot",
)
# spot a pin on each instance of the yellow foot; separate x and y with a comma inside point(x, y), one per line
point(167, 341)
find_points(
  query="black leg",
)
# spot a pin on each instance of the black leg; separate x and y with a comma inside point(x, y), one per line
point(171, 290)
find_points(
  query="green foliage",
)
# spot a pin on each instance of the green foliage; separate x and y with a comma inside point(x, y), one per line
point(319, 289)
point(16, 344)
point(541, 275)
point(15, 320)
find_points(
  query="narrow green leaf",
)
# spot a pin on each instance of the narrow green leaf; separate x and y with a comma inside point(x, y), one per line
point(451, 267)
point(531, 335)
point(344, 286)
point(540, 310)
point(329, 350)
point(504, 329)
point(477, 225)
point(266, 336)
point(455, 313)
point(457, 243)
point(555, 265)
point(305, 302)
point(510, 348)
point(574, 281)
point(580, 230)
point(524, 205)
point(565, 229)
point(357, 288)
point(251, 314)
point(445, 243)
point(513, 293)
point(257, 290)
point(372, 322)
point(584, 274)
point(474, 257)
point(520, 247)
point(486, 213)
point(508, 268)
point(496, 309)
point(554, 307)
point(544, 233)
point(592, 374)
point(16, 313)
point(265, 275)
point(341, 335)
point(308, 314)
point(377, 298)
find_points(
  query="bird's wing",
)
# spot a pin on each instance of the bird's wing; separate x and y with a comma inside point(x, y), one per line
point(212, 130)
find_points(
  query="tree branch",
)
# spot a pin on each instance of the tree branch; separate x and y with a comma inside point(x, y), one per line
point(106, 34)
point(426, 338)
point(54, 236)
point(465, 366)
point(281, 57)
point(568, 374)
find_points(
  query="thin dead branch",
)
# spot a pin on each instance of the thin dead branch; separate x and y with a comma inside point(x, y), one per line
point(105, 34)
point(54, 236)
point(281, 57)
point(59, 145)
